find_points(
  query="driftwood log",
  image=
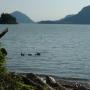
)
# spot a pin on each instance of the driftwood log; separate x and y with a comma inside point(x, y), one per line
point(3, 33)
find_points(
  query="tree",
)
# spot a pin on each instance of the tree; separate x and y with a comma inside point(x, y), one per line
point(7, 19)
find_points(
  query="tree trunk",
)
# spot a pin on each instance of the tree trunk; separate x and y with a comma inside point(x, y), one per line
point(3, 33)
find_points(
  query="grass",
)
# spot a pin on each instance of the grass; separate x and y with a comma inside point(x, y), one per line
point(9, 82)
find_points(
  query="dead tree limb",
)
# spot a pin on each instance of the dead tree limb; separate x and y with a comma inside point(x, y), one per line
point(3, 33)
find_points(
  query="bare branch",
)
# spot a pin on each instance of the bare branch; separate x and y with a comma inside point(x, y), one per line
point(3, 32)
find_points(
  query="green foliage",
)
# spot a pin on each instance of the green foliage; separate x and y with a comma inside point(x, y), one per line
point(13, 81)
point(2, 62)
point(7, 19)
point(10, 81)
point(21, 86)
point(18, 83)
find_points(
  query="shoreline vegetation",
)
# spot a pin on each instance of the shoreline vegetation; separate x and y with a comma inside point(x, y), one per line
point(7, 19)
point(31, 81)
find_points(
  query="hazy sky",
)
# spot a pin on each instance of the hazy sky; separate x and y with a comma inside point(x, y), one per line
point(44, 9)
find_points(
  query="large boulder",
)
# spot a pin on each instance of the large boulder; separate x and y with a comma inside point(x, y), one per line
point(54, 84)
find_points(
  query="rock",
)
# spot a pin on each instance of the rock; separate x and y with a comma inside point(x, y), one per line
point(43, 80)
point(82, 88)
point(30, 82)
point(79, 87)
point(39, 81)
point(26, 80)
point(52, 82)
point(35, 78)
point(3, 51)
point(59, 87)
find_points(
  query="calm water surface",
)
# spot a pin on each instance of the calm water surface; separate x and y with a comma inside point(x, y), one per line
point(65, 49)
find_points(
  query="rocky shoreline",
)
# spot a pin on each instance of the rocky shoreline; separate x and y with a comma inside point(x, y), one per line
point(48, 82)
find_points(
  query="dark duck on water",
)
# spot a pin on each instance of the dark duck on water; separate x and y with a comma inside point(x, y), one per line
point(22, 54)
point(38, 54)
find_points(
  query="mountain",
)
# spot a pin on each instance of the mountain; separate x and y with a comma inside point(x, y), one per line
point(21, 17)
point(83, 17)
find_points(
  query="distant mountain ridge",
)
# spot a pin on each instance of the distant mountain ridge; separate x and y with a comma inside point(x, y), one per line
point(83, 17)
point(21, 17)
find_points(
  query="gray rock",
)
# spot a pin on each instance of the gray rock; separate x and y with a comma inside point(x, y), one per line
point(79, 87)
point(35, 78)
point(52, 82)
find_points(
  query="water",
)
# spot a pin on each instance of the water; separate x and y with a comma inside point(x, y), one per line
point(65, 49)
